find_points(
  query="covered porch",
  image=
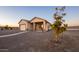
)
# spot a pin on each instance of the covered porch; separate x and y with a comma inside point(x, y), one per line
point(39, 26)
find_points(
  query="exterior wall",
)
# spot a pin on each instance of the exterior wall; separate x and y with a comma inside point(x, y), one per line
point(44, 25)
point(29, 26)
point(37, 20)
point(34, 25)
point(47, 26)
point(22, 26)
point(23, 23)
point(39, 26)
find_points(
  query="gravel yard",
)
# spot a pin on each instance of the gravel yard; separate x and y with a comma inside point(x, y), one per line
point(6, 32)
point(39, 42)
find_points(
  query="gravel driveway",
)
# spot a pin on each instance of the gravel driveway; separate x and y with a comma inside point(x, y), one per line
point(6, 32)
point(30, 41)
point(39, 42)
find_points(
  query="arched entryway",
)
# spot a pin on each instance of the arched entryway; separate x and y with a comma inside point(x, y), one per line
point(39, 26)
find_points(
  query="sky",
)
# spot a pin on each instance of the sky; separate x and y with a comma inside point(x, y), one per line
point(11, 15)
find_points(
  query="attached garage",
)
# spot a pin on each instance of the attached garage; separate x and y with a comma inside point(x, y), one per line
point(23, 27)
point(23, 24)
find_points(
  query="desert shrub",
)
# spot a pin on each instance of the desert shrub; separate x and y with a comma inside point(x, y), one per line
point(59, 26)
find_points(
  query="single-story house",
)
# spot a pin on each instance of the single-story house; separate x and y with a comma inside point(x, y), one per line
point(36, 24)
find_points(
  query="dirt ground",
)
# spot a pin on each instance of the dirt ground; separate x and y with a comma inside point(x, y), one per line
point(6, 32)
point(40, 42)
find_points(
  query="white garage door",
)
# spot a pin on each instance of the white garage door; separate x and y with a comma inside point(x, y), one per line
point(23, 27)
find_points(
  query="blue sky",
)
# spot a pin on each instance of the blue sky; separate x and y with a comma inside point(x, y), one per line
point(11, 15)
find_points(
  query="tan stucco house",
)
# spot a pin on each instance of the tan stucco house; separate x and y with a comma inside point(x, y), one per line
point(36, 24)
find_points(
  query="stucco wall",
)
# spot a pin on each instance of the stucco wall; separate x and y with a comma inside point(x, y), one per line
point(23, 23)
point(37, 20)
point(30, 25)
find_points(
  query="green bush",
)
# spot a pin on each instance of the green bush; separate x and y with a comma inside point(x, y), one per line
point(58, 26)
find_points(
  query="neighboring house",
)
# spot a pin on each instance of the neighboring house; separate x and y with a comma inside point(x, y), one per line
point(36, 24)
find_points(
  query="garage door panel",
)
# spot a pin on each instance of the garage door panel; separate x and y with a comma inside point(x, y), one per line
point(23, 27)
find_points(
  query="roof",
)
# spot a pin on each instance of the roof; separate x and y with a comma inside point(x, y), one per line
point(33, 19)
point(40, 18)
point(23, 20)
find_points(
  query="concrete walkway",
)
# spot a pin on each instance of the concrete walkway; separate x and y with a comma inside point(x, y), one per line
point(12, 34)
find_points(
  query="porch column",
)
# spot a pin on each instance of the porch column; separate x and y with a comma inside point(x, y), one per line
point(44, 25)
point(34, 26)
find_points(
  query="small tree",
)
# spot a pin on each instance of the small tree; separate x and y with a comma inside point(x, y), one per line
point(58, 26)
